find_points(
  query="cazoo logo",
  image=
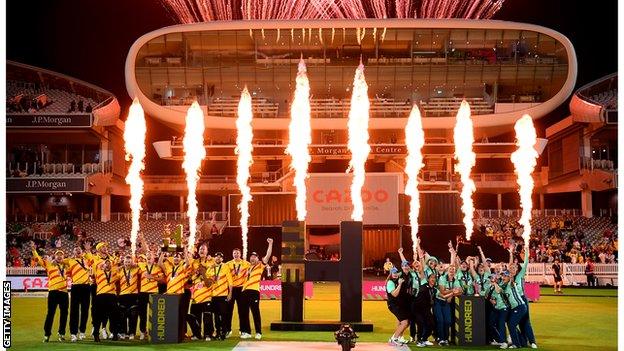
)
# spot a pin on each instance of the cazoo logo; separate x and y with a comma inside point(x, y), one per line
point(344, 196)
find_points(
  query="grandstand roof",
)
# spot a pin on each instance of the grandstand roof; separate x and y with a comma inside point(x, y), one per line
point(496, 122)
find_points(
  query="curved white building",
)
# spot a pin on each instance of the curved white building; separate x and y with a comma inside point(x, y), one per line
point(505, 69)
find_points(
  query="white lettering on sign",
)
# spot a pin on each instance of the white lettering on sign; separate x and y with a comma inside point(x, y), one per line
point(35, 184)
point(48, 120)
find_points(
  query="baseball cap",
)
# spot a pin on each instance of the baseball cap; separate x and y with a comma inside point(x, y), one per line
point(59, 252)
point(219, 254)
point(253, 253)
point(100, 245)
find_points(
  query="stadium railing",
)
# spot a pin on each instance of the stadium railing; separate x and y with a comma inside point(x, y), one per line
point(204, 216)
point(572, 273)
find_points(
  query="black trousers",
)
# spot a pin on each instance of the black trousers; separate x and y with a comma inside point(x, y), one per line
point(220, 308)
point(143, 306)
point(129, 313)
point(237, 298)
point(251, 301)
point(79, 303)
point(425, 322)
point(106, 311)
point(201, 312)
point(93, 291)
point(185, 301)
point(56, 299)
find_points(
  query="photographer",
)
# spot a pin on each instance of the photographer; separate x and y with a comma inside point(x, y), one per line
point(398, 304)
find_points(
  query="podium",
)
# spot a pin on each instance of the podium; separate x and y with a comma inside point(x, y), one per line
point(470, 322)
point(165, 319)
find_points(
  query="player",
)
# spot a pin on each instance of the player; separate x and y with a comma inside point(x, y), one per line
point(221, 293)
point(79, 271)
point(151, 275)
point(57, 291)
point(105, 302)
point(201, 309)
point(177, 272)
point(449, 286)
point(556, 267)
point(251, 293)
point(129, 274)
point(237, 268)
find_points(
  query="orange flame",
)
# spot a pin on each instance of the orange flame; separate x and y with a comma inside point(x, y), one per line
point(415, 140)
point(525, 160)
point(134, 143)
point(358, 140)
point(244, 149)
point(194, 153)
point(300, 137)
point(464, 138)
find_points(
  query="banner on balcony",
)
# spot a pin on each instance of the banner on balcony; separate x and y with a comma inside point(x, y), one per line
point(45, 185)
point(49, 121)
point(329, 199)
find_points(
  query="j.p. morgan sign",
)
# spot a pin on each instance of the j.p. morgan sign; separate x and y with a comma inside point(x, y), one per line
point(44, 185)
point(49, 121)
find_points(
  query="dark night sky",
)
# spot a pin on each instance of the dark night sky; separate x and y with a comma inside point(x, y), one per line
point(90, 39)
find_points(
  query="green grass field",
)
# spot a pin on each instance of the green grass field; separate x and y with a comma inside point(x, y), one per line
point(581, 319)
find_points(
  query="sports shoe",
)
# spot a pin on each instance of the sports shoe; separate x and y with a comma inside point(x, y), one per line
point(61, 337)
point(207, 338)
point(428, 343)
point(503, 345)
point(73, 338)
point(142, 336)
point(194, 338)
point(245, 336)
point(512, 347)
point(103, 334)
point(394, 342)
point(533, 345)
point(130, 337)
point(81, 336)
point(258, 336)
point(411, 339)
point(402, 340)
point(113, 336)
point(420, 344)
point(122, 336)
point(46, 339)
point(228, 334)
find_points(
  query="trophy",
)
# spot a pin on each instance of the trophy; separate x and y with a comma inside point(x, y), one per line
point(172, 241)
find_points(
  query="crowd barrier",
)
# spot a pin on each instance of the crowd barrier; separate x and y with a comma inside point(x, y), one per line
point(34, 279)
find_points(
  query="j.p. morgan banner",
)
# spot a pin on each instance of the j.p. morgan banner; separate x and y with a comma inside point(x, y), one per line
point(49, 121)
point(329, 198)
point(44, 185)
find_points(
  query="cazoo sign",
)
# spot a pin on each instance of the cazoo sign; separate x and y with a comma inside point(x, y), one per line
point(329, 198)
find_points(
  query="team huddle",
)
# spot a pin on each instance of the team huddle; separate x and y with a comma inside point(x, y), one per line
point(117, 290)
point(421, 295)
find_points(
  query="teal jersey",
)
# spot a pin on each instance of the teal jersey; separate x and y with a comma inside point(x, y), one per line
point(390, 286)
point(466, 281)
point(514, 294)
point(483, 282)
point(500, 299)
point(429, 271)
point(519, 278)
point(414, 279)
point(448, 284)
